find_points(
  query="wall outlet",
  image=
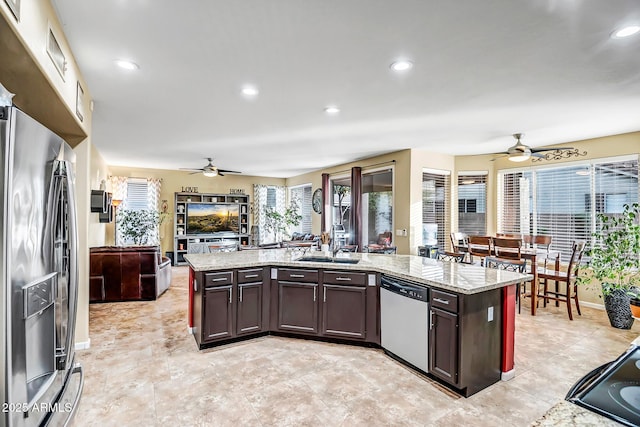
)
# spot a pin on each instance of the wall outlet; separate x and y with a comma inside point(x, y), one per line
point(401, 232)
point(490, 314)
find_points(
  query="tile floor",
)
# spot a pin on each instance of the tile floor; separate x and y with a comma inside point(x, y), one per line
point(143, 369)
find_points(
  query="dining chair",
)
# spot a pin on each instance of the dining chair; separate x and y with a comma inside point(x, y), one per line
point(567, 277)
point(516, 265)
point(479, 246)
point(450, 256)
point(507, 247)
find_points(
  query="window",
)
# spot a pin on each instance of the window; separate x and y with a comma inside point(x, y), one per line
point(563, 201)
point(435, 206)
point(302, 197)
point(341, 196)
point(142, 195)
point(472, 203)
point(377, 205)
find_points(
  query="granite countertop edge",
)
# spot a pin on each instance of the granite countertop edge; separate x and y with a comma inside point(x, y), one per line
point(393, 265)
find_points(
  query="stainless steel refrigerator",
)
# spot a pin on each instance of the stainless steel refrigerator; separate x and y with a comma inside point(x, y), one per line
point(41, 383)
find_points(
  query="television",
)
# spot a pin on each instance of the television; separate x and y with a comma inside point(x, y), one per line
point(209, 218)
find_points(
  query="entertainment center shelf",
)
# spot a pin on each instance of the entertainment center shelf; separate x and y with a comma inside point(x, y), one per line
point(202, 218)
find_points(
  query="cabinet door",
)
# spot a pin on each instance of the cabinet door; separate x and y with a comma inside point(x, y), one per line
point(443, 345)
point(298, 307)
point(249, 308)
point(344, 311)
point(218, 314)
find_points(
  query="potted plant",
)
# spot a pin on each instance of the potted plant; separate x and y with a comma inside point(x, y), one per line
point(139, 227)
point(615, 262)
point(279, 223)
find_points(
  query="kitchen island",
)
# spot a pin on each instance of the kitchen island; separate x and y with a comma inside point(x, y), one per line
point(471, 310)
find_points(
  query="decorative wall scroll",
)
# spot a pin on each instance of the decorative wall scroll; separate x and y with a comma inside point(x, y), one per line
point(565, 153)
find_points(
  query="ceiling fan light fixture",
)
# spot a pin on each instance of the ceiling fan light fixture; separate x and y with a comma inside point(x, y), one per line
point(210, 173)
point(520, 157)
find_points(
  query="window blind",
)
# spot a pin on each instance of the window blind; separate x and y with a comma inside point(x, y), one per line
point(472, 204)
point(563, 201)
point(137, 194)
point(435, 203)
point(302, 196)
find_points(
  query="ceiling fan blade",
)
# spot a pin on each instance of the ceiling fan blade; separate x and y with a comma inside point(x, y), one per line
point(227, 171)
point(540, 150)
point(195, 172)
point(500, 157)
point(220, 173)
point(191, 169)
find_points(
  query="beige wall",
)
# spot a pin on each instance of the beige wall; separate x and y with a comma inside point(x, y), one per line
point(173, 181)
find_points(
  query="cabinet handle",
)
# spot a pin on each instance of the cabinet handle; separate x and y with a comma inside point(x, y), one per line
point(297, 276)
point(195, 285)
point(344, 279)
point(250, 276)
point(229, 295)
point(441, 301)
point(430, 319)
point(324, 298)
point(240, 292)
point(314, 293)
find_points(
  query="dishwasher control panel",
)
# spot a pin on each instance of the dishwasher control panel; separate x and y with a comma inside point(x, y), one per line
point(404, 288)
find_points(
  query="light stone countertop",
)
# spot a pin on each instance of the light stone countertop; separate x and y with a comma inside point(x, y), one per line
point(461, 278)
point(571, 415)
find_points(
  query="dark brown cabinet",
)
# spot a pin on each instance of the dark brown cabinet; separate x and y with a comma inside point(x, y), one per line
point(465, 339)
point(344, 304)
point(443, 342)
point(344, 311)
point(249, 308)
point(298, 307)
point(218, 313)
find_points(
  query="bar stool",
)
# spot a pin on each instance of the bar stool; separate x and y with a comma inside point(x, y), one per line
point(516, 265)
point(450, 256)
point(567, 277)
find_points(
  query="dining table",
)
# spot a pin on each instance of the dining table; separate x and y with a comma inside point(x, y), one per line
point(532, 255)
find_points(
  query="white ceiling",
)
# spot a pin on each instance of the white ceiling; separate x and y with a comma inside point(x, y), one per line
point(483, 70)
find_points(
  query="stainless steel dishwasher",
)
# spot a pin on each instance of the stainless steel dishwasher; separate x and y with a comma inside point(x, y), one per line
point(404, 321)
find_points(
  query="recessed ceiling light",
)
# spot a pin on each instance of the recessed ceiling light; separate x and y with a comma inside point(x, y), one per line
point(127, 65)
point(626, 32)
point(250, 91)
point(332, 109)
point(402, 65)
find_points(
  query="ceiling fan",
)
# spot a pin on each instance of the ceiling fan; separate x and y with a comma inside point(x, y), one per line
point(210, 170)
point(520, 152)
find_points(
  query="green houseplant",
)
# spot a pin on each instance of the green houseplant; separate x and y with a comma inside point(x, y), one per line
point(279, 223)
point(615, 262)
point(139, 226)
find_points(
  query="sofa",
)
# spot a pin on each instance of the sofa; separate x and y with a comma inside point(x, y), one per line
point(127, 273)
point(302, 240)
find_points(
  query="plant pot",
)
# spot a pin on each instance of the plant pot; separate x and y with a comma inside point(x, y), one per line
point(617, 305)
point(634, 305)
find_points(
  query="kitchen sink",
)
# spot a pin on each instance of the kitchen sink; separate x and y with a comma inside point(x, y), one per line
point(328, 259)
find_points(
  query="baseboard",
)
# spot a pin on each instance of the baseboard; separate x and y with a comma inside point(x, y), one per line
point(509, 375)
point(591, 305)
point(84, 345)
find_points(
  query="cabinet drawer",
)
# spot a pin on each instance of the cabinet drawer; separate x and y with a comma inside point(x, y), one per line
point(345, 278)
point(298, 275)
point(444, 300)
point(250, 276)
point(218, 279)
